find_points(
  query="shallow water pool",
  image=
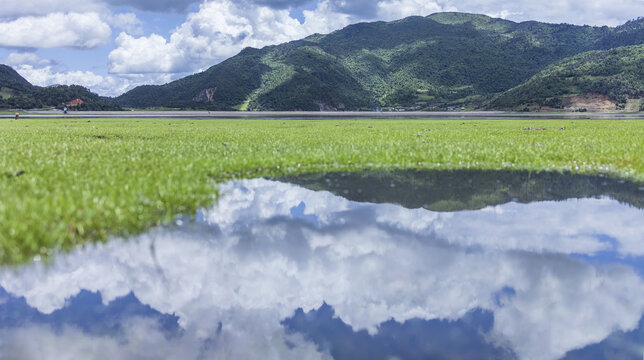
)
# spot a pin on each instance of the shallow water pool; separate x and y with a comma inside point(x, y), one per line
point(372, 265)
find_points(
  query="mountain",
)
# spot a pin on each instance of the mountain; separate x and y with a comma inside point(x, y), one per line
point(594, 81)
point(16, 92)
point(10, 79)
point(434, 62)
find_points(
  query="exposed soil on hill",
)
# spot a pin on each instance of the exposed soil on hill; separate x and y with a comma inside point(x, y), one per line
point(590, 102)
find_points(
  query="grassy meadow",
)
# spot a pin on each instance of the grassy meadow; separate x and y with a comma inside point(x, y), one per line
point(65, 182)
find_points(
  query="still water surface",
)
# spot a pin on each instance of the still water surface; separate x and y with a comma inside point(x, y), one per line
point(376, 265)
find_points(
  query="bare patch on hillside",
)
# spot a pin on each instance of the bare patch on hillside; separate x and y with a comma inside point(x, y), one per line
point(589, 102)
point(326, 107)
point(205, 95)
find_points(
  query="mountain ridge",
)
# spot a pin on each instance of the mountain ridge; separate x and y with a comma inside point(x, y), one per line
point(435, 62)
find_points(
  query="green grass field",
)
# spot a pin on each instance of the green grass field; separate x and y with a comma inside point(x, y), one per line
point(66, 182)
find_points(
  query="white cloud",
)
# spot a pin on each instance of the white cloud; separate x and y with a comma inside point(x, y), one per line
point(80, 30)
point(502, 14)
point(143, 339)
point(219, 29)
point(511, 227)
point(26, 58)
point(151, 54)
point(397, 9)
point(128, 22)
point(267, 249)
point(593, 12)
point(12, 9)
point(325, 19)
point(108, 85)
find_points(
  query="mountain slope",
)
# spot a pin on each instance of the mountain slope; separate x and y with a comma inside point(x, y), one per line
point(9, 78)
point(232, 81)
point(16, 92)
point(594, 79)
point(429, 62)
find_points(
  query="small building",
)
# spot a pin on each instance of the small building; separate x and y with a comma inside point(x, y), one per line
point(75, 102)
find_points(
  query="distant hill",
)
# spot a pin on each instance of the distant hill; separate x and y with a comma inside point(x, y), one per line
point(435, 62)
point(594, 81)
point(16, 92)
point(9, 78)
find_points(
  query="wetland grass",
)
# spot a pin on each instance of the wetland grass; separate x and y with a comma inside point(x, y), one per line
point(66, 182)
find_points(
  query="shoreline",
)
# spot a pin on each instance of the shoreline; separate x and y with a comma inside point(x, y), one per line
point(317, 115)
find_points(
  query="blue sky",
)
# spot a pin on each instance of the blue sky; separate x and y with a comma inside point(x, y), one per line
point(111, 46)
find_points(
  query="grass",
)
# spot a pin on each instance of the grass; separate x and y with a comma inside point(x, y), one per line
point(67, 182)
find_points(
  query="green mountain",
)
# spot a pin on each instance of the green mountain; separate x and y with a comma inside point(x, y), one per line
point(595, 80)
point(16, 92)
point(434, 62)
point(10, 79)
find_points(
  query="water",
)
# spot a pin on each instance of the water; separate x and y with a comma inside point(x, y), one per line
point(376, 265)
point(321, 115)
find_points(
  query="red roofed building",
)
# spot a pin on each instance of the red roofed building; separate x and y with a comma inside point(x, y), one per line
point(75, 102)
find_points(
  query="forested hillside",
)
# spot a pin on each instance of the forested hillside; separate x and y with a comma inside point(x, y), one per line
point(436, 62)
point(614, 77)
point(18, 93)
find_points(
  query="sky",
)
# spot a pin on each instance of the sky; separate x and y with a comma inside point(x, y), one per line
point(111, 46)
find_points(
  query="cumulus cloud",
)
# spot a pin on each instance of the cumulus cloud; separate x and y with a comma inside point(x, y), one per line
point(397, 9)
point(594, 12)
point(27, 58)
point(325, 18)
point(268, 248)
point(144, 339)
point(128, 22)
point(150, 54)
point(511, 227)
point(79, 30)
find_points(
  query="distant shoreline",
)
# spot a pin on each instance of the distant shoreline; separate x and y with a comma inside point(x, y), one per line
point(325, 115)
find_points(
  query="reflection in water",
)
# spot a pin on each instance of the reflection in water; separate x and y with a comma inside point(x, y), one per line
point(253, 276)
point(464, 338)
point(467, 189)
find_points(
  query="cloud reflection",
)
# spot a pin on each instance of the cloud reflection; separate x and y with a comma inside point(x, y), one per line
point(269, 248)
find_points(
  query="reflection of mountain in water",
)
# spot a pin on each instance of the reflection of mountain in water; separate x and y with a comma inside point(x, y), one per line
point(619, 345)
point(86, 312)
point(467, 189)
point(414, 339)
